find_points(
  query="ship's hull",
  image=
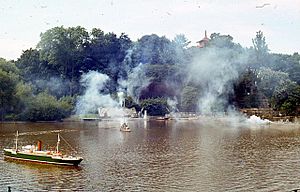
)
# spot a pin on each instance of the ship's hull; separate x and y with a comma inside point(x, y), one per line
point(37, 158)
point(125, 130)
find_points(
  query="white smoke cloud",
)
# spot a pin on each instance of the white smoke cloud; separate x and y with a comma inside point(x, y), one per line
point(257, 120)
point(215, 70)
point(121, 98)
point(172, 103)
point(92, 99)
point(137, 80)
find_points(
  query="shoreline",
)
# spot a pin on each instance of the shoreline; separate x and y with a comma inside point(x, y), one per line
point(282, 119)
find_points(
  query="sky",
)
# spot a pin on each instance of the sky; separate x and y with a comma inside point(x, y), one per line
point(22, 21)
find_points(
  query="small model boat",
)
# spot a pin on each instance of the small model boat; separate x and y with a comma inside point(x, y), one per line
point(34, 153)
point(125, 127)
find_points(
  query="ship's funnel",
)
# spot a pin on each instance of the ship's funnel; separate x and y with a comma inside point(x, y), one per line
point(39, 145)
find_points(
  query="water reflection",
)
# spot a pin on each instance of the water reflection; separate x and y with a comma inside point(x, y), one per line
point(183, 155)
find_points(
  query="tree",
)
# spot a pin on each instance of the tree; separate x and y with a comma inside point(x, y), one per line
point(180, 44)
point(106, 53)
point(181, 41)
point(261, 50)
point(269, 80)
point(189, 99)
point(152, 49)
point(31, 67)
point(9, 76)
point(289, 64)
point(23, 95)
point(221, 41)
point(162, 81)
point(247, 93)
point(63, 49)
point(259, 43)
point(44, 107)
point(286, 98)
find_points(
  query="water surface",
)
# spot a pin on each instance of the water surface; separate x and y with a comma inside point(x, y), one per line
point(186, 155)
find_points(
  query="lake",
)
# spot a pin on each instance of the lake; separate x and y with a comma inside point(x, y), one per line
point(208, 154)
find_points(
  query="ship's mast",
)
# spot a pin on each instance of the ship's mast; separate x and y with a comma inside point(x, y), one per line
point(17, 141)
point(57, 144)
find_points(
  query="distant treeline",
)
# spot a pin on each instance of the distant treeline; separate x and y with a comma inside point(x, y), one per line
point(44, 82)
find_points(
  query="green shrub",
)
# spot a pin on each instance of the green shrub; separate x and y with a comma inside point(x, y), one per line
point(45, 107)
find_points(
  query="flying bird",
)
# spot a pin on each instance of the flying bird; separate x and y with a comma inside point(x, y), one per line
point(262, 6)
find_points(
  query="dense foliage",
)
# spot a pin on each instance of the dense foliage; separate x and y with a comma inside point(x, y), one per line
point(44, 81)
point(157, 106)
point(45, 107)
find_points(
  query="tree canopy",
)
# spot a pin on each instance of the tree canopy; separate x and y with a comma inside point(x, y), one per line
point(151, 70)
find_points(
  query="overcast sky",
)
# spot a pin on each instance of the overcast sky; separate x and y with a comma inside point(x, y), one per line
point(22, 21)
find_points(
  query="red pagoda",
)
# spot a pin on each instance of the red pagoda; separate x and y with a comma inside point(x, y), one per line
point(202, 43)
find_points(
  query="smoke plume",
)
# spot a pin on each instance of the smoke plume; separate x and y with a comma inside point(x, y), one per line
point(137, 80)
point(172, 103)
point(215, 70)
point(93, 99)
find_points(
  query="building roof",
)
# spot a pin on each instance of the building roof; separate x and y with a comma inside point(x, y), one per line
point(204, 41)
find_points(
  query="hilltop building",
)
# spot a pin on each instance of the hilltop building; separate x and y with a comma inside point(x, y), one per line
point(202, 43)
